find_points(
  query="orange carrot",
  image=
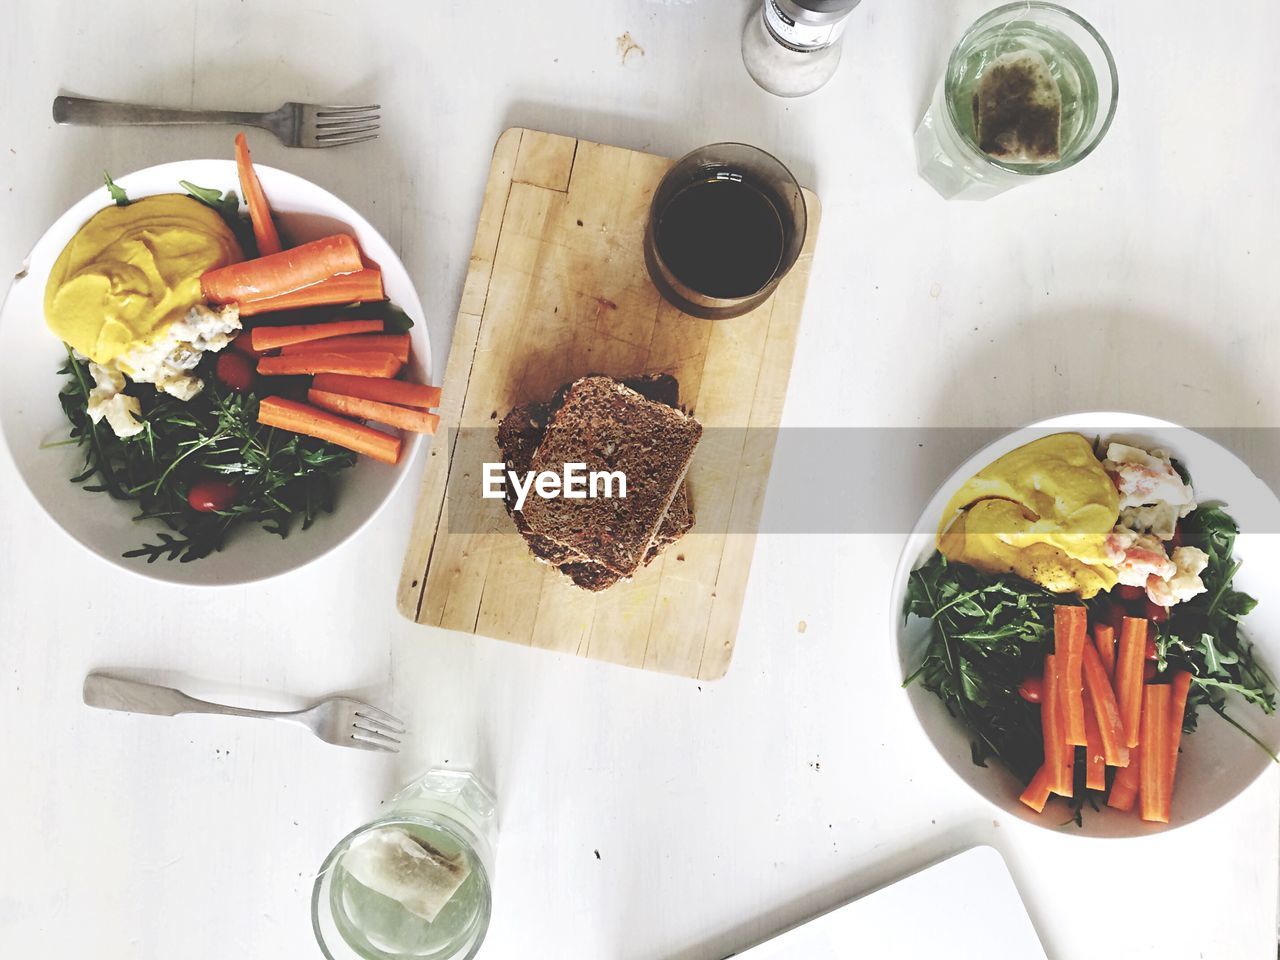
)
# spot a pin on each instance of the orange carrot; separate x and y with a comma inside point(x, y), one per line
point(264, 230)
point(417, 421)
point(1104, 638)
point(1181, 688)
point(283, 272)
point(1051, 721)
point(1070, 625)
point(1037, 793)
point(300, 418)
point(324, 335)
point(1124, 789)
point(1095, 757)
point(1154, 781)
point(1129, 663)
point(384, 391)
point(362, 286)
point(397, 343)
point(1106, 711)
point(370, 364)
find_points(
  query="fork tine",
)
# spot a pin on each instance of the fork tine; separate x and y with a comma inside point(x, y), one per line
point(339, 125)
point(362, 734)
point(374, 732)
point(334, 110)
point(346, 131)
point(341, 143)
point(367, 712)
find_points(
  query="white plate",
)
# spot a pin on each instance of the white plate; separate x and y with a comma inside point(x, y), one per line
point(965, 908)
point(32, 418)
point(1217, 762)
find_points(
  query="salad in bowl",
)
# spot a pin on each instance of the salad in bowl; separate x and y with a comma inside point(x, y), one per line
point(226, 374)
point(1076, 607)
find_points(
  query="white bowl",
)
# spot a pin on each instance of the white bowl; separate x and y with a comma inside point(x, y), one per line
point(1217, 761)
point(31, 417)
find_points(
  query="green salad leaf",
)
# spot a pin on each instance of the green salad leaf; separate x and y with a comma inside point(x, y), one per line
point(117, 192)
point(228, 207)
point(1203, 634)
point(988, 633)
point(282, 480)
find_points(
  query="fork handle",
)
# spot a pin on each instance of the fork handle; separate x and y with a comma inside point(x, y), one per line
point(133, 696)
point(106, 113)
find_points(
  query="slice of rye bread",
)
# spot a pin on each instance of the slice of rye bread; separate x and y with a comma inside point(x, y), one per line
point(519, 434)
point(607, 426)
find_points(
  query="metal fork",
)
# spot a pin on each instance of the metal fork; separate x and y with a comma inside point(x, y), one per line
point(295, 124)
point(337, 720)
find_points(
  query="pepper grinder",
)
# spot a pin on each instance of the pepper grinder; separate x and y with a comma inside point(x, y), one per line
point(792, 47)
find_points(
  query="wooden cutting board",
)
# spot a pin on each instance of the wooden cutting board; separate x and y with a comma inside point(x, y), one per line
point(558, 289)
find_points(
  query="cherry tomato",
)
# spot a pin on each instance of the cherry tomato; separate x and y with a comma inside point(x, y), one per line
point(1176, 541)
point(235, 370)
point(1149, 671)
point(1151, 649)
point(244, 345)
point(1154, 611)
point(1031, 689)
point(1128, 592)
point(1116, 615)
point(211, 495)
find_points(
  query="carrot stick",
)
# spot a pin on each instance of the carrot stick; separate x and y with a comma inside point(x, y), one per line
point(1129, 661)
point(324, 335)
point(1124, 789)
point(300, 418)
point(361, 286)
point(1105, 710)
point(1104, 638)
point(1181, 688)
point(1069, 627)
point(1095, 757)
point(397, 343)
point(282, 272)
point(370, 364)
point(375, 388)
point(417, 421)
point(264, 230)
point(1037, 793)
point(1154, 800)
point(1055, 744)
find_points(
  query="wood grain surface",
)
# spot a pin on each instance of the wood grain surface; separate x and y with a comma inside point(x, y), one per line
point(557, 289)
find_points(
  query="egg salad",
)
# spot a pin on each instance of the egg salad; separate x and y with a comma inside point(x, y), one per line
point(125, 294)
point(1054, 513)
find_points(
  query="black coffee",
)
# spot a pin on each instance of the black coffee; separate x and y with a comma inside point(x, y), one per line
point(721, 237)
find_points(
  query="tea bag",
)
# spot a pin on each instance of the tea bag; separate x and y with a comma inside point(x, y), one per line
point(408, 870)
point(1017, 109)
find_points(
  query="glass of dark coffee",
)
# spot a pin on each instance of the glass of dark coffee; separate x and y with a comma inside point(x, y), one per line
point(726, 224)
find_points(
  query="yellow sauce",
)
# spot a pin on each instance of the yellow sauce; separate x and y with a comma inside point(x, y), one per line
point(1042, 512)
point(131, 271)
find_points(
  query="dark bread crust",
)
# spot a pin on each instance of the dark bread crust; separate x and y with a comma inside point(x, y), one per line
point(609, 427)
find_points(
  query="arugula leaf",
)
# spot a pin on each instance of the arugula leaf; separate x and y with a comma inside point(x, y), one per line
point(227, 204)
point(228, 207)
point(283, 480)
point(117, 192)
point(1203, 634)
point(988, 633)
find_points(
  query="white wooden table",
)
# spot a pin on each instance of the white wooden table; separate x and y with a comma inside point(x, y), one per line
point(642, 817)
